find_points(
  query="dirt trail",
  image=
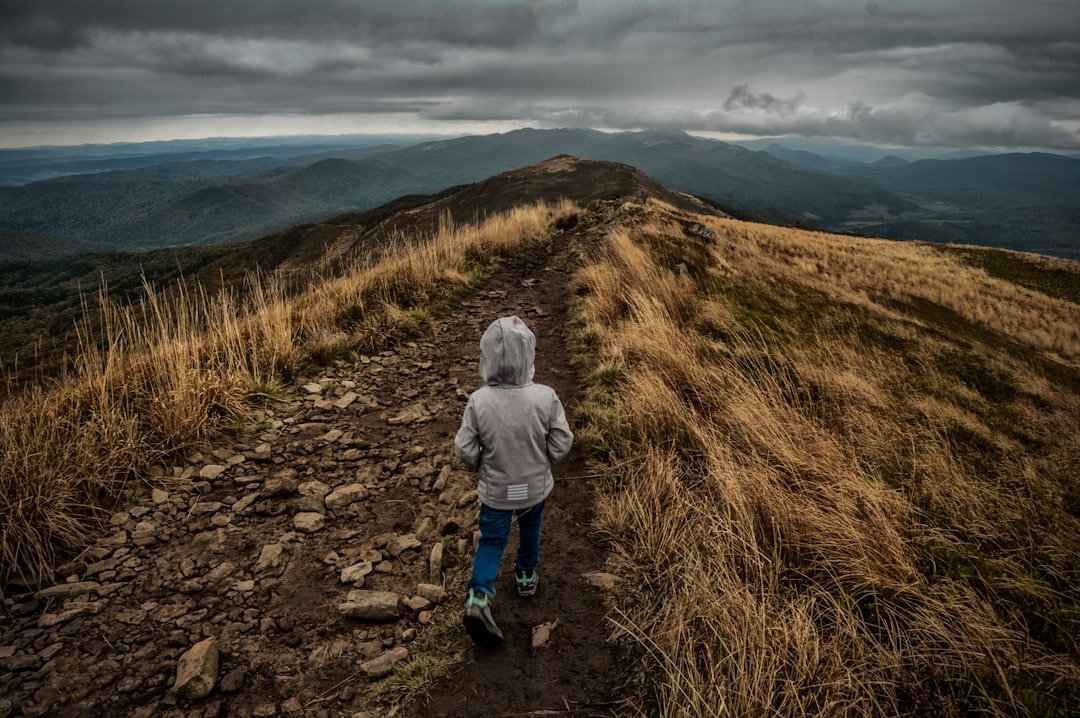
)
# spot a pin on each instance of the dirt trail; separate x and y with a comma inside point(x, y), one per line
point(354, 481)
point(575, 673)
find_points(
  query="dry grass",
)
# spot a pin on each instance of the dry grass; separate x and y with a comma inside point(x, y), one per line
point(841, 474)
point(165, 375)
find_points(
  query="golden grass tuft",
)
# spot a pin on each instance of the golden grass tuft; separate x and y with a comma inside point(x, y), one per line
point(838, 474)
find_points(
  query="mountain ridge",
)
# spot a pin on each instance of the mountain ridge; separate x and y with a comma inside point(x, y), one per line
point(960, 200)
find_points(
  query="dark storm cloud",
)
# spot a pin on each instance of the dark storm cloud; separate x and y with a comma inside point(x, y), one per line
point(902, 71)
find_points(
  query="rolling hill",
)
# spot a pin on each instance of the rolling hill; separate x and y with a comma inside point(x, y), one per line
point(1017, 201)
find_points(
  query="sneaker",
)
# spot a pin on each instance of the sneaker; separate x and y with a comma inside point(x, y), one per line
point(527, 581)
point(478, 621)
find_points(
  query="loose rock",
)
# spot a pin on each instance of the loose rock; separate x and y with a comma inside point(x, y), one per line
point(346, 495)
point(372, 605)
point(385, 663)
point(542, 634)
point(196, 673)
point(309, 521)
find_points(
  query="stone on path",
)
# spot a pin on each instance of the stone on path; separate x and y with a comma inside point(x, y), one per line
point(345, 400)
point(381, 666)
point(356, 572)
point(372, 605)
point(67, 590)
point(542, 634)
point(309, 521)
point(398, 544)
point(280, 484)
point(346, 495)
point(196, 673)
point(433, 593)
point(272, 560)
point(435, 563)
point(212, 471)
point(601, 580)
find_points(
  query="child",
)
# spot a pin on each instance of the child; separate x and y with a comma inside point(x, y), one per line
point(511, 433)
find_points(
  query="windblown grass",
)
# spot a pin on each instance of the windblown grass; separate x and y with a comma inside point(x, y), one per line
point(841, 474)
point(168, 373)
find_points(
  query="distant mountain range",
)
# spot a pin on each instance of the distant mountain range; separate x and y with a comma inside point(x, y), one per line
point(176, 194)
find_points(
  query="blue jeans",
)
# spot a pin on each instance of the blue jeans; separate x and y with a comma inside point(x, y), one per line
point(495, 532)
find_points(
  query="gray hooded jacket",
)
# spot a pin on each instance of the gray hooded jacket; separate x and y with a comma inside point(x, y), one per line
point(512, 429)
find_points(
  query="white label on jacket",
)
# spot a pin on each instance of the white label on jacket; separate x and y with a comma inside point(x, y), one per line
point(517, 492)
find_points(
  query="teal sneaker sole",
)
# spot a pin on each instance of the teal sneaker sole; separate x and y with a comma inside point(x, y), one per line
point(483, 632)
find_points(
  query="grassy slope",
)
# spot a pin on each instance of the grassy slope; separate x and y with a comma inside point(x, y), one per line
point(156, 377)
point(841, 472)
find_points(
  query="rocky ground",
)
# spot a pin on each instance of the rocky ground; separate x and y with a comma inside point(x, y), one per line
point(288, 572)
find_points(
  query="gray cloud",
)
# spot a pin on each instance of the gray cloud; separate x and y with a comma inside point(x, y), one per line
point(742, 98)
point(956, 72)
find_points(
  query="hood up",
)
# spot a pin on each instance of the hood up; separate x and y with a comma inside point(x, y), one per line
point(507, 353)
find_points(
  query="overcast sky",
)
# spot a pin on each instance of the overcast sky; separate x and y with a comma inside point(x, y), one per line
point(941, 73)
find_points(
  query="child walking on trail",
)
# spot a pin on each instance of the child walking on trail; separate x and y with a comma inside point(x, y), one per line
point(511, 433)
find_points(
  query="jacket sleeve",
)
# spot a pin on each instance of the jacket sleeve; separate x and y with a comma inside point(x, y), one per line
point(559, 436)
point(467, 442)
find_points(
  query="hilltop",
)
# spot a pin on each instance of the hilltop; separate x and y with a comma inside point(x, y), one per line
point(814, 473)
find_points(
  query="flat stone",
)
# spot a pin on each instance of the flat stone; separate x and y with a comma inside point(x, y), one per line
point(272, 560)
point(131, 616)
point(309, 504)
point(48, 652)
point(346, 495)
point(282, 483)
point(372, 605)
point(212, 471)
point(433, 593)
point(309, 521)
point(48, 620)
point(384, 664)
point(67, 590)
point(97, 567)
point(171, 612)
point(331, 436)
point(346, 399)
point(222, 571)
point(542, 634)
point(292, 708)
point(233, 680)
point(313, 388)
point(601, 580)
point(417, 604)
point(356, 572)
point(313, 488)
point(117, 539)
point(241, 506)
point(16, 664)
point(435, 563)
point(196, 672)
point(402, 543)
